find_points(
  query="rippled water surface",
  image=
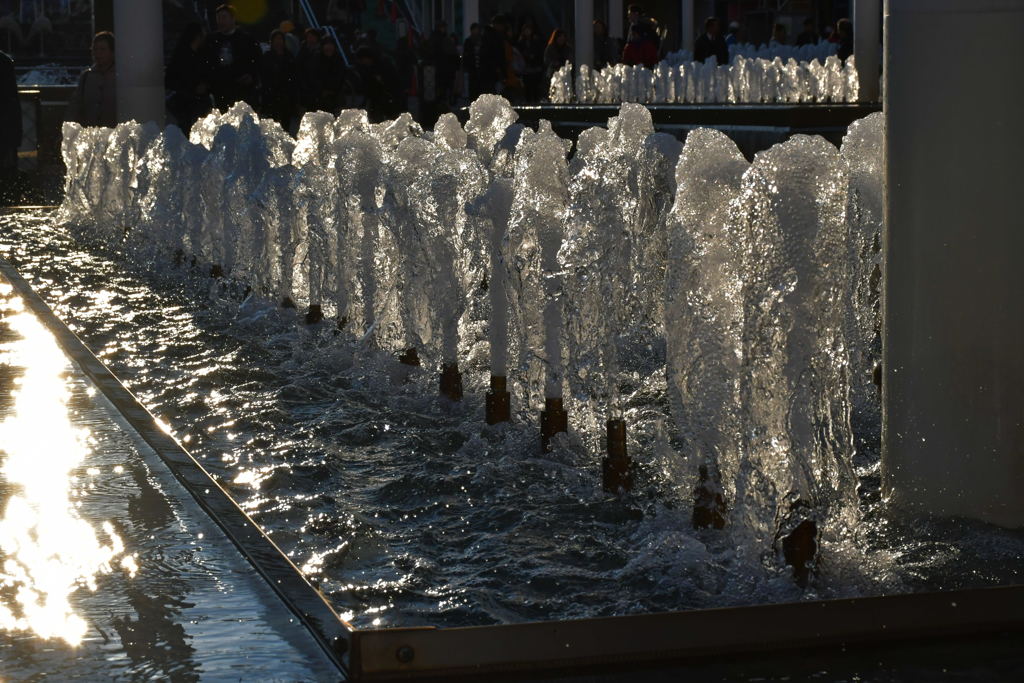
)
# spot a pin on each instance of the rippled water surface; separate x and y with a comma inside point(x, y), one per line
point(408, 509)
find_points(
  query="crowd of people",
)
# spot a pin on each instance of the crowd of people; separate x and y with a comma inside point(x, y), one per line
point(294, 75)
point(294, 72)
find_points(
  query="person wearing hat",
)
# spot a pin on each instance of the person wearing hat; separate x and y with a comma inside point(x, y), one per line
point(732, 36)
point(291, 41)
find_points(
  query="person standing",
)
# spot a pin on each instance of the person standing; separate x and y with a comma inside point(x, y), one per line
point(844, 34)
point(606, 48)
point(234, 59)
point(280, 82)
point(639, 50)
point(809, 36)
point(331, 76)
point(645, 26)
point(94, 102)
point(493, 67)
point(308, 66)
point(471, 61)
point(711, 43)
point(557, 53)
point(188, 79)
point(531, 47)
point(10, 121)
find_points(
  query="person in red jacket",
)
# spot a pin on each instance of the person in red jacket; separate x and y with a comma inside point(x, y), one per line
point(639, 50)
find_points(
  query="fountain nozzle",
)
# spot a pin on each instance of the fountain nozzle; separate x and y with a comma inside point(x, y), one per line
point(314, 315)
point(498, 403)
point(708, 503)
point(617, 469)
point(553, 419)
point(451, 381)
point(410, 357)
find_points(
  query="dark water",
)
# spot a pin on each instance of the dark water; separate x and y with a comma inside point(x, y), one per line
point(409, 510)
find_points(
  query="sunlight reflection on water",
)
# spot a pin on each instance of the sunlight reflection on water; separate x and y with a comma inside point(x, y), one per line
point(48, 551)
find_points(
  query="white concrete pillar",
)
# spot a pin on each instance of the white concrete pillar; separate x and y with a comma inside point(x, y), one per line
point(584, 36)
point(688, 25)
point(867, 25)
point(470, 15)
point(953, 335)
point(615, 19)
point(139, 35)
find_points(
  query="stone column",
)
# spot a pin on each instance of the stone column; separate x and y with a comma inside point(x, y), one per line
point(866, 46)
point(953, 339)
point(583, 38)
point(470, 15)
point(688, 26)
point(138, 29)
point(615, 19)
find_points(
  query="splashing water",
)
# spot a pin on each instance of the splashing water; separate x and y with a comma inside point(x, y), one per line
point(727, 311)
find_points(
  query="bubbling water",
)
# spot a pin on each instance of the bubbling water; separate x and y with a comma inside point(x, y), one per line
point(727, 307)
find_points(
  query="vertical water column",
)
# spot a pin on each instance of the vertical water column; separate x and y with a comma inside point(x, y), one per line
point(704, 317)
point(796, 477)
point(497, 203)
point(531, 247)
point(953, 386)
point(313, 157)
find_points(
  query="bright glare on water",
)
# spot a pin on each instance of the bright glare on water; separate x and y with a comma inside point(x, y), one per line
point(48, 550)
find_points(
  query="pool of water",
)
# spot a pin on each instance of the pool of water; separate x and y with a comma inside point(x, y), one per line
point(408, 509)
point(109, 568)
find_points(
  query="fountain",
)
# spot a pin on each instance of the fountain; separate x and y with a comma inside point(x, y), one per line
point(712, 324)
point(742, 292)
point(745, 80)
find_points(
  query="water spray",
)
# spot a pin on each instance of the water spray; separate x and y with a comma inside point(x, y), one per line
point(709, 509)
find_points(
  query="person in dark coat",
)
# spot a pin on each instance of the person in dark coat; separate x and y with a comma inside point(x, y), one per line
point(188, 79)
point(331, 76)
point(308, 61)
point(844, 33)
point(471, 60)
point(279, 78)
point(606, 48)
point(557, 53)
point(711, 43)
point(808, 36)
point(10, 119)
point(440, 52)
point(379, 85)
point(531, 47)
point(493, 69)
point(94, 102)
point(234, 58)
